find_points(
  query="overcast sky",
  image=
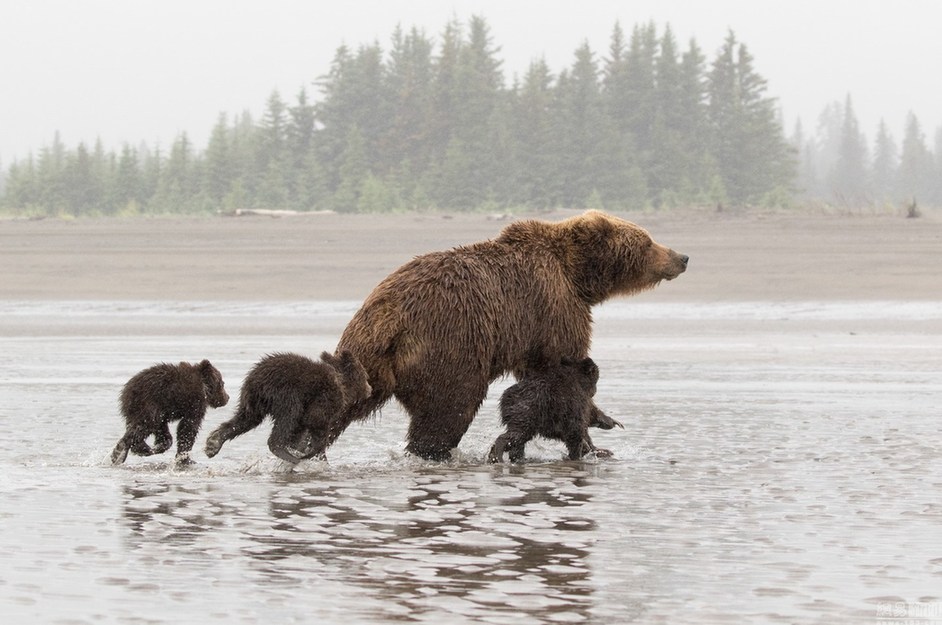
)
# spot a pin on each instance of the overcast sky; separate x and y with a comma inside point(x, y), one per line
point(143, 70)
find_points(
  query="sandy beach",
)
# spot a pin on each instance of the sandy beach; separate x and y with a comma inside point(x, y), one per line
point(341, 257)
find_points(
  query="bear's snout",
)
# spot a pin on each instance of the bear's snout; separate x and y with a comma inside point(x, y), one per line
point(667, 263)
point(677, 264)
point(219, 399)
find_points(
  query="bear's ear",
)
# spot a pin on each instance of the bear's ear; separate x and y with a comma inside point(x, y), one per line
point(589, 368)
point(329, 358)
point(205, 365)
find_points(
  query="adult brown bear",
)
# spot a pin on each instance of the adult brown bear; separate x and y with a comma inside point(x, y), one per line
point(440, 328)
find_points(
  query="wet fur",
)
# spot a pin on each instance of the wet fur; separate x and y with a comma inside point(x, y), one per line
point(439, 329)
point(553, 401)
point(304, 399)
point(164, 393)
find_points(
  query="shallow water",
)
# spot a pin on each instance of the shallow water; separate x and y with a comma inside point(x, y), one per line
point(779, 463)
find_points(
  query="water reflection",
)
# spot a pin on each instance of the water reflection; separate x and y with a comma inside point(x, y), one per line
point(488, 544)
point(470, 541)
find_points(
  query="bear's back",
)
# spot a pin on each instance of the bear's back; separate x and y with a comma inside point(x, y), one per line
point(167, 388)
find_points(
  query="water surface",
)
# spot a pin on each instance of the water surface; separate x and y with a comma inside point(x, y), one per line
point(780, 463)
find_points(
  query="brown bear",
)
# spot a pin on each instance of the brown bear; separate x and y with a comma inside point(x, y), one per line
point(554, 401)
point(438, 330)
point(304, 399)
point(163, 393)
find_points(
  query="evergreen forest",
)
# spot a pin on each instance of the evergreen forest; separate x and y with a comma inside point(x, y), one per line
point(433, 123)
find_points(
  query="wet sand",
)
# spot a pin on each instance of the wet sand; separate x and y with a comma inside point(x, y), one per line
point(780, 460)
point(341, 257)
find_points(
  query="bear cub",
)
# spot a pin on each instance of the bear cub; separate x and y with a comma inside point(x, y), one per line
point(164, 393)
point(554, 401)
point(304, 399)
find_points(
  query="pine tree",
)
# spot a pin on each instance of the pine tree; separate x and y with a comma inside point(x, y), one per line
point(218, 166)
point(848, 178)
point(272, 155)
point(581, 124)
point(533, 130)
point(352, 173)
point(305, 179)
point(409, 79)
point(699, 167)
point(668, 155)
point(20, 193)
point(915, 169)
point(477, 119)
point(885, 165)
point(175, 189)
point(748, 142)
point(444, 91)
point(354, 96)
point(127, 193)
point(622, 184)
point(82, 196)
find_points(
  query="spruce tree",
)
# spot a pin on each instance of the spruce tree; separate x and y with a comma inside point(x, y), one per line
point(915, 168)
point(748, 142)
point(581, 124)
point(533, 130)
point(218, 164)
point(848, 178)
point(885, 165)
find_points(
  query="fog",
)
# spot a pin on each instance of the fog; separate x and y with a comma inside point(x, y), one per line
point(147, 71)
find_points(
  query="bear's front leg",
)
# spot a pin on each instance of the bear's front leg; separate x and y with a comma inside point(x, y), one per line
point(496, 454)
point(602, 421)
point(582, 446)
point(187, 430)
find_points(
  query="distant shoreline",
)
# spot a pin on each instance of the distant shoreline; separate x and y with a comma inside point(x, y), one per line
point(734, 256)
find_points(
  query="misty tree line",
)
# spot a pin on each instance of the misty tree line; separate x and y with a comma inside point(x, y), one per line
point(429, 124)
point(837, 164)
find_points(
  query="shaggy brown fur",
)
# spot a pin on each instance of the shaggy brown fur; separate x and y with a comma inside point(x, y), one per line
point(439, 329)
point(304, 399)
point(553, 401)
point(163, 393)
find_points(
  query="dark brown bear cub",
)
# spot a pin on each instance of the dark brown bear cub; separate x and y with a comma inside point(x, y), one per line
point(163, 393)
point(554, 402)
point(304, 399)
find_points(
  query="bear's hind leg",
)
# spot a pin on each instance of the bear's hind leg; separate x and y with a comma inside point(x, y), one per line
point(511, 442)
point(245, 419)
point(133, 441)
point(515, 451)
point(287, 428)
point(163, 440)
point(436, 426)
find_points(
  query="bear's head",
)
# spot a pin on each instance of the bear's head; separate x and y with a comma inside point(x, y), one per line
point(213, 387)
point(356, 384)
point(605, 256)
point(586, 372)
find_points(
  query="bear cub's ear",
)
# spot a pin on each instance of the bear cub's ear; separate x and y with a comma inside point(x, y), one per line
point(589, 368)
